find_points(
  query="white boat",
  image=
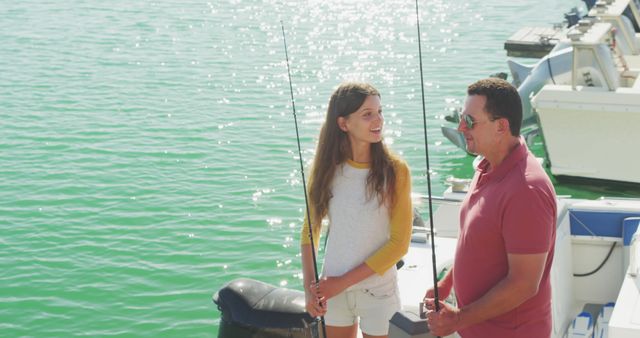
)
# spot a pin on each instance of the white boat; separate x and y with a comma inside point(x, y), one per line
point(595, 266)
point(588, 124)
point(594, 277)
point(584, 97)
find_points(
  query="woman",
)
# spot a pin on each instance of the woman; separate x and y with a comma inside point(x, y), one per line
point(364, 191)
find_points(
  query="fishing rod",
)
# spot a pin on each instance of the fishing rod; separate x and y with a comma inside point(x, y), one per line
point(304, 185)
point(426, 146)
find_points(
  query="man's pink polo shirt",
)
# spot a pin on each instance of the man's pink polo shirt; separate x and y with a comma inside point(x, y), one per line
point(510, 210)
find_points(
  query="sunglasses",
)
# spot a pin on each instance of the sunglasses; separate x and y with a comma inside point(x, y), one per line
point(469, 122)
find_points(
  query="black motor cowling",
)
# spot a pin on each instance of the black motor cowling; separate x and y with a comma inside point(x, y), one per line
point(253, 309)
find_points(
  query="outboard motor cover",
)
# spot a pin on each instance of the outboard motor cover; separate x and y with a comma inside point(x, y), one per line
point(253, 309)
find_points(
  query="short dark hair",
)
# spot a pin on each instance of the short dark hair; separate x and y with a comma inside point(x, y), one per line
point(503, 101)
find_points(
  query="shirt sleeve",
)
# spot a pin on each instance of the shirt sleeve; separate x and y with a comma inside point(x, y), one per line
point(529, 222)
point(400, 219)
point(304, 234)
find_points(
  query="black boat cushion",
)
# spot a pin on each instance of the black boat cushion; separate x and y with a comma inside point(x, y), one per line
point(258, 304)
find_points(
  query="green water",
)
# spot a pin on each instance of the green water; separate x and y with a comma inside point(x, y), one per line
point(148, 154)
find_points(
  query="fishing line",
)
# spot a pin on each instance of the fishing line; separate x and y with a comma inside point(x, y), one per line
point(304, 185)
point(426, 146)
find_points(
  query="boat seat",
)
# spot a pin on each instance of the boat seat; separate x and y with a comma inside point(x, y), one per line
point(598, 223)
point(257, 304)
point(629, 228)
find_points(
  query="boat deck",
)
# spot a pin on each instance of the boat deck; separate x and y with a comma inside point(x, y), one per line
point(533, 42)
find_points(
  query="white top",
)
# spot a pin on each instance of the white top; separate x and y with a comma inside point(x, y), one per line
point(358, 227)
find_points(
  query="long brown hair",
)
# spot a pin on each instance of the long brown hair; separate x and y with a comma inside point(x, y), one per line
point(334, 149)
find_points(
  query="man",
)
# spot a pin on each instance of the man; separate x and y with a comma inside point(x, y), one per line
point(507, 228)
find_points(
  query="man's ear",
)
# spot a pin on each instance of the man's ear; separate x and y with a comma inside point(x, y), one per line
point(342, 123)
point(503, 125)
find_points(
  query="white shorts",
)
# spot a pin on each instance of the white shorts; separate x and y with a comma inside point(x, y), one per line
point(374, 307)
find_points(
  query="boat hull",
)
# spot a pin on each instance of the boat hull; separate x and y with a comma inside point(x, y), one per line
point(590, 133)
